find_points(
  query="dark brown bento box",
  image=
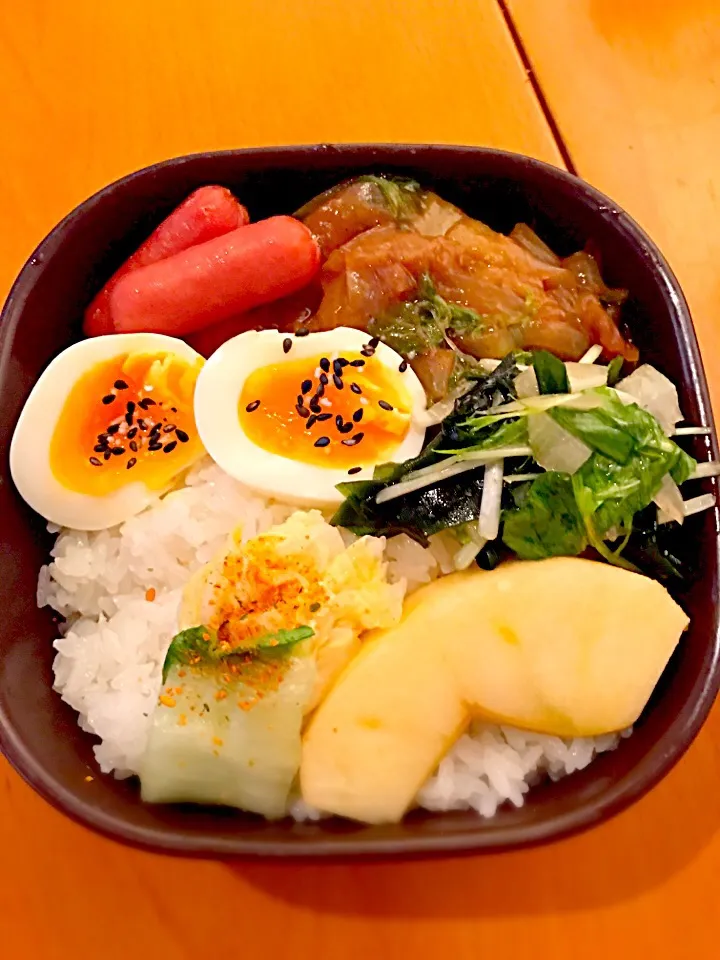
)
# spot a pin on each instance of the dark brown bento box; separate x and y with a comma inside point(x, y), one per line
point(39, 734)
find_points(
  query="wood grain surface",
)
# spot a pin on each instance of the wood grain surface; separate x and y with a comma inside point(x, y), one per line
point(90, 91)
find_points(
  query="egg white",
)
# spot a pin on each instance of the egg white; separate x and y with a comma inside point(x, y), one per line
point(217, 396)
point(30, 446)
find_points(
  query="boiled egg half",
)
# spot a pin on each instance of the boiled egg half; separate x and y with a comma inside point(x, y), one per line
point(107, 428)
point(295, 415)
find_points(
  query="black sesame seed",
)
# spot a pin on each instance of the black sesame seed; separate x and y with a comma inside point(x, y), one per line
point(346, 427)
point(252, 406)
point(107, 455)
point(155, 446)
point(132, 433)
point(287, 345)
point(385, 405)
point(169, 447)
point(155, 431)
point(168, 428)
point(351, 441)
point(403, 366)
point(95, 462)
point(133, 446)
point(337, 368)
point(141, 424)
point(173, 409)
point(338, 382)
point(302, 332)
point(322, 417)
point(130, 407)
point(108, 399)
point(128, 419)
point(357, 363)
point(323, 379)
point(315, 406)
point(320, 392)
point(355, 388)
point(302, 411)
point(322, 442)
point(311, 421)
point(120, 385)
point(300, 400)
point(146, 402)
point(117, 451)
point(102, 437)
point(325, 365)
point(342, 361)
point(100, 448)
point(357, 416)
point(367, 351)
point(374, 342)
point(306, 386)
point(354, 470)
point(339, 421)
point(131, 463)
point(181, 435)
point(113, 429)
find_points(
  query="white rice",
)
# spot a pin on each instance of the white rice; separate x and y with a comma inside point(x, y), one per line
point(108, 665)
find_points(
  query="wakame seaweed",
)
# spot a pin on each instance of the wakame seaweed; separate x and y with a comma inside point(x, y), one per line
point(448, 503)
point(442, 505)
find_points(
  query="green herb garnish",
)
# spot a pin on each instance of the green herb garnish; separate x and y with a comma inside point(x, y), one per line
point(201, 646)
point(614, 370)
point(196, 644)
point(419, 325)
point(631, 456)
point(545, 521)
point(550, 373)
point(402, 196)
point(599, 429)
point(280, 640)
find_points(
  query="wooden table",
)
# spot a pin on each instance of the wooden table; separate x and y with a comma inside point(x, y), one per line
point(629, 96)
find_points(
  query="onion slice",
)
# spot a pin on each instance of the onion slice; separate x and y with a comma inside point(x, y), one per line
point(427, 476)
point(586, 376)
point(669, 501)
point(691, 431)
point(520, 477)
point(652, 391)
point(705, 501)
point(554, 447)
point(466, 554)
point(591, 355)
point(489, 521)
point(526, 384)
point(709, 469)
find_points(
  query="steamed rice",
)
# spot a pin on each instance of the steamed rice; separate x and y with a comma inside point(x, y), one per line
point(109, 659)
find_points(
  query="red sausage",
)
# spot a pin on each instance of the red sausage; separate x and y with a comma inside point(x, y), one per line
point(216, 280)
point(285, 314)
point(207, 213)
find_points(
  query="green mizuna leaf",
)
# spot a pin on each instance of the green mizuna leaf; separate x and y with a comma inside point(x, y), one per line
point(200, 646)
point(550, 372)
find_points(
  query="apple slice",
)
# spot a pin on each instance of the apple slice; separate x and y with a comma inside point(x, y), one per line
point(563, 646)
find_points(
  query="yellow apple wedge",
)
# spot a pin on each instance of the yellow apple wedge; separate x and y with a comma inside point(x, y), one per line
point(391, 716)
point(563, 646)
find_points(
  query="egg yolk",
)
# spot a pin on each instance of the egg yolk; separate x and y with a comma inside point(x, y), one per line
point(342, 412)
point(127, 419)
